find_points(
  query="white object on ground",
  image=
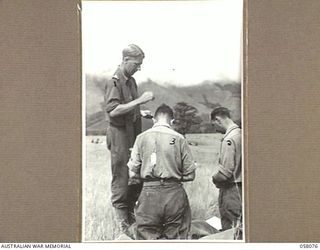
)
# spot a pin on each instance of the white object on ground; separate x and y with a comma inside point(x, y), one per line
point(215, 222)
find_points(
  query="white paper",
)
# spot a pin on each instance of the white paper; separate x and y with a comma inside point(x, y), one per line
point(215, 222)
point(153, 159)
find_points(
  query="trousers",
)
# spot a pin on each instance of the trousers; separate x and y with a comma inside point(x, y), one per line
point(230, 205)
point(163, 212)
point(122, 195)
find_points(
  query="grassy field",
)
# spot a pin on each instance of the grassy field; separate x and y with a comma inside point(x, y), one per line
point(99, 222)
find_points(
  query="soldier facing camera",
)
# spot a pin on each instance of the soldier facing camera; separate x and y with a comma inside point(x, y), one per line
point(123, 118)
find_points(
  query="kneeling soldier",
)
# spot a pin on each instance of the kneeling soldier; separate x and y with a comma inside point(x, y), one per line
point(162, 159)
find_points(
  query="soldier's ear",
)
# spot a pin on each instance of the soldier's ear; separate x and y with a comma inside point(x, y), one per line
point(219, 120)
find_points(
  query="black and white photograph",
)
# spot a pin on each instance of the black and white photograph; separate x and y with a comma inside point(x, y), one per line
point(162, 121)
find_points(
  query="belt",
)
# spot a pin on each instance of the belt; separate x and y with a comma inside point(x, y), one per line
point(119, 125)
point(159, 181)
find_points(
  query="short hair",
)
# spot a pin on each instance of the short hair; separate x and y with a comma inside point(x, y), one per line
point(220, 111)
point(133, 51)
point(164, 109)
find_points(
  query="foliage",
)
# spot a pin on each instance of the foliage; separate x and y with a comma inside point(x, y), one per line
point(186, 118)
point(204, 97)
point(98, 82)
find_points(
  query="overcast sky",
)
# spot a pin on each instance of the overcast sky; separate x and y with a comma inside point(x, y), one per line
point(185, 42)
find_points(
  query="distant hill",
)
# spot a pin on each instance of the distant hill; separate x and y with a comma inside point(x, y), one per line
point(204, 96)
point(94, 93)
point(212, 94)
point(169, 95)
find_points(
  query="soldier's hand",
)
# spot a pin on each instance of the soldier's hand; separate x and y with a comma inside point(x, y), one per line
point(146, 114)
point(146, 97)
point(133, 175)
point(135, 179)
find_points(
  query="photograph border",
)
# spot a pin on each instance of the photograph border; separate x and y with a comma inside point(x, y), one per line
point(243, 48)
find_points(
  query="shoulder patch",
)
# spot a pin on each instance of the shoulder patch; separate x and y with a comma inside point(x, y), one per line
point(229, 142)
point(115, 79)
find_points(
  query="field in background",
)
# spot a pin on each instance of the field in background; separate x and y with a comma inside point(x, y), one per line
point(99, 216)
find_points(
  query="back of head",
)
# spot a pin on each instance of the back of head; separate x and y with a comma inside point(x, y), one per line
point(221, 112)
point(133, 51)
point(164, 110)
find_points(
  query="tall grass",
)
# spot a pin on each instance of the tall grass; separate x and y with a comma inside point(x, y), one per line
point(100, 221)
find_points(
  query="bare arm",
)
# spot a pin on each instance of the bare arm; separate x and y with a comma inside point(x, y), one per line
point(188, 164)
point(226, 163)
point(122, 109)
point(135, 161)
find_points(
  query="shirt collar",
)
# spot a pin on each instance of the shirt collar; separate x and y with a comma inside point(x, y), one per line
point(161, 124)
point(234, 126)
point(120, 74)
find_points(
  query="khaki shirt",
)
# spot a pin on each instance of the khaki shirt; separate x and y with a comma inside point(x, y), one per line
point(161, 152)
point(120, 90)
point(230, 154)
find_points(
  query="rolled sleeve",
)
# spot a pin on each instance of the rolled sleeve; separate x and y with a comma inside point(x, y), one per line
point(188, 164)
point(135, 160)
point(112, 97)
point(227, 160)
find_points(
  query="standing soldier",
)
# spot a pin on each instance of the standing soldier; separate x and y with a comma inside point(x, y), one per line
point(123, 125)
point(228, 176)
point(162, 159)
